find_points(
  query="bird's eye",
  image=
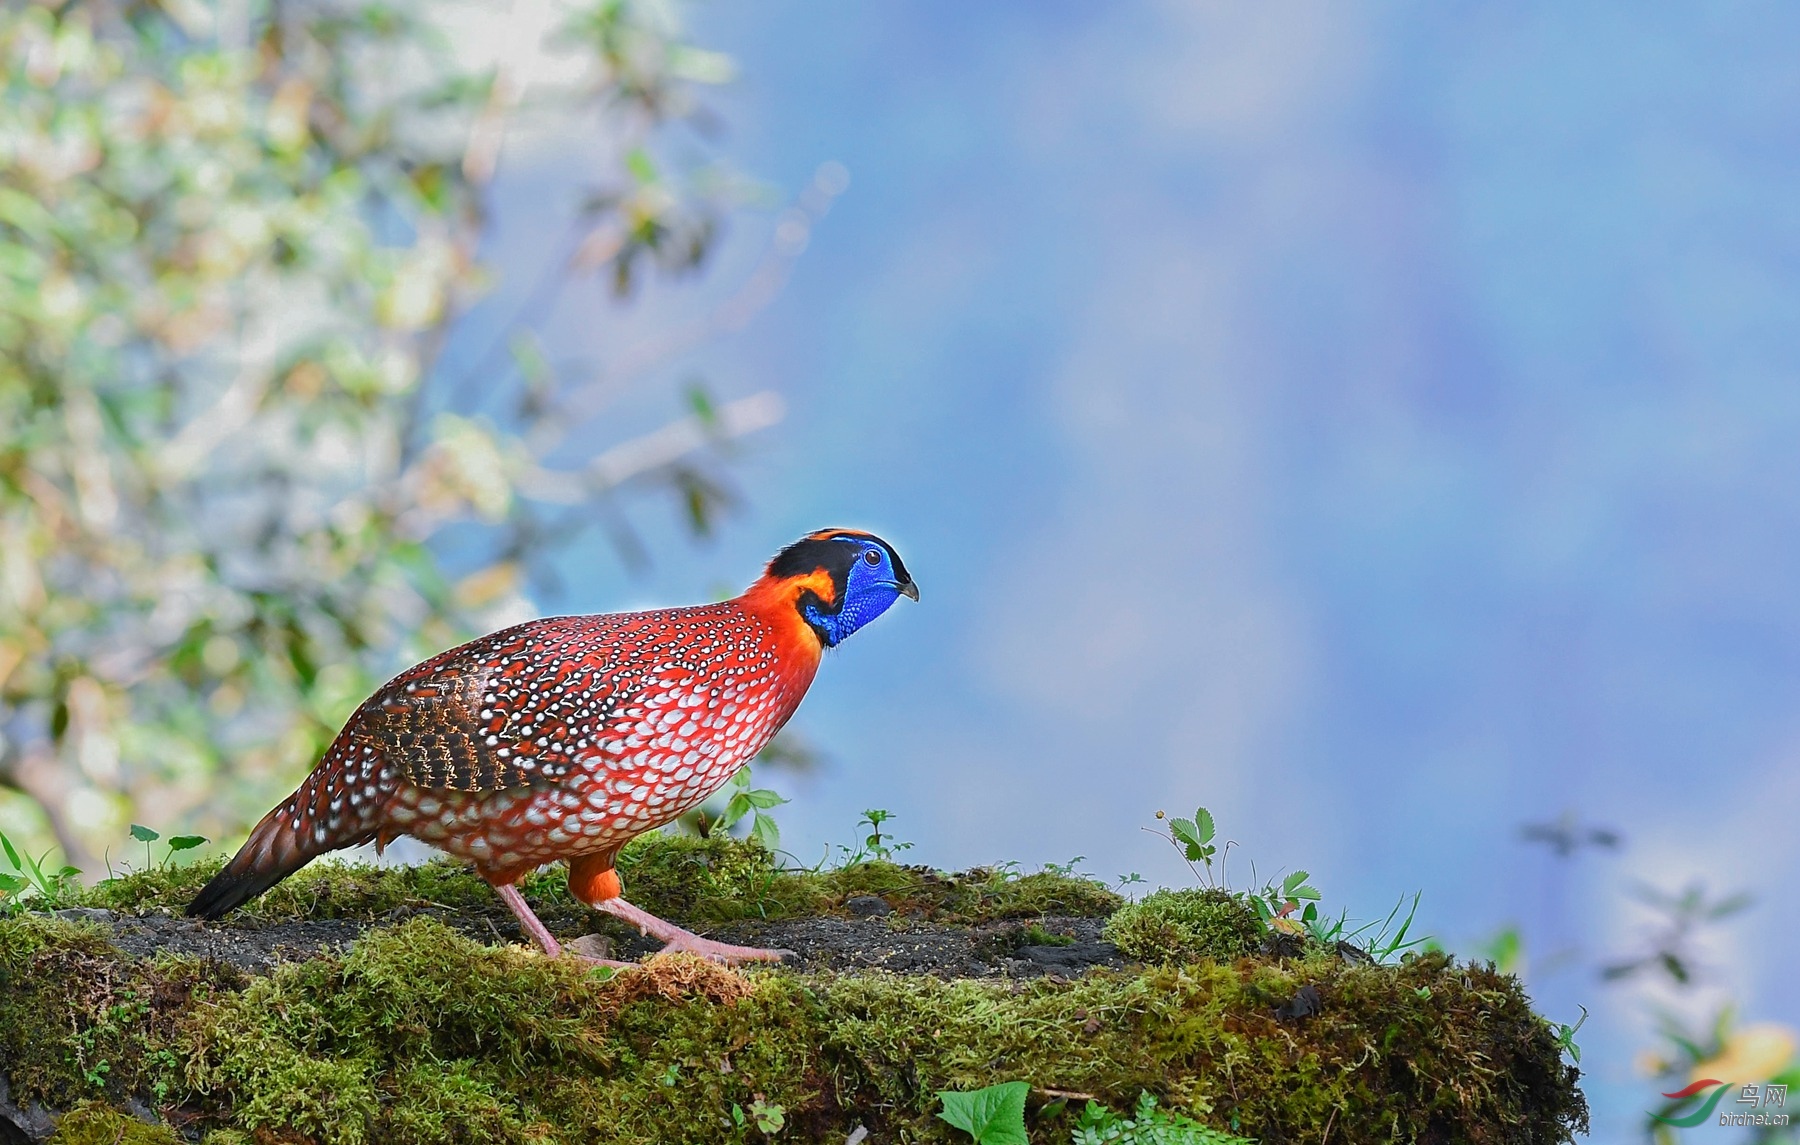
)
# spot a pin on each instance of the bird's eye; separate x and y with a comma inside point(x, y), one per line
point(872, 556)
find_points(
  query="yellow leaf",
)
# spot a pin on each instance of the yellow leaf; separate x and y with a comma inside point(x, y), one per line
point(1752, 1054)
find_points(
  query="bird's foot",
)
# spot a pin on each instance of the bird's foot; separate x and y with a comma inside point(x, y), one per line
point(724, 951)
point(675, 938)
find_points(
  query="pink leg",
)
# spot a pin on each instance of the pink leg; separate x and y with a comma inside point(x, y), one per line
point(676, 938)
point(539, 933)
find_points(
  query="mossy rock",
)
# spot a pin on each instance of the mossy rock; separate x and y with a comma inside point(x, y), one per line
point(1186, 925)
point(419, 1032)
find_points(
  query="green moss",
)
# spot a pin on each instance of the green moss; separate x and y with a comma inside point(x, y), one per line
point(719, 879)
point(326, 889)
point(676, 876)
point(111, 1017)
point(1181, 926)
point(420, 1034)
point(92, 1124)
point(1035, 935)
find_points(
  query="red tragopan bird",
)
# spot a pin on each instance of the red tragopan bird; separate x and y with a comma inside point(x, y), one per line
point(565, 738)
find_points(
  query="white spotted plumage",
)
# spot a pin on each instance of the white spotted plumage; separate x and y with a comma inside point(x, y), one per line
point(555, 738)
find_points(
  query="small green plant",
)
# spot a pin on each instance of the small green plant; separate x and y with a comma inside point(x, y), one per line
point(1194, 839)
point(176, 843)
point(1565, 1036)
point(877, 846)
point(1277, 904)
point(992, 1116)
point(754, 802)
point(1289, 907)
point(1388, 942)
point(29, 879)
point(767, 1116)
point(1147, 1125)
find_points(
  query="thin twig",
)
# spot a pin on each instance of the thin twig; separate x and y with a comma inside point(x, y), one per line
point(762, 287)
point(653, 451)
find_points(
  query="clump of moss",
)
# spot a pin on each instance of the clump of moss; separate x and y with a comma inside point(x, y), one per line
point(1185, 925)
point(421, 1034)
point(91, 1123)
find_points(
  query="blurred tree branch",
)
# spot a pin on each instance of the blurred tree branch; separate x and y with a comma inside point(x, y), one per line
point(233, 239)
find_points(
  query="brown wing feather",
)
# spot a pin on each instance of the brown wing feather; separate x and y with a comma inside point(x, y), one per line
point(512, 709)
point(432, 729)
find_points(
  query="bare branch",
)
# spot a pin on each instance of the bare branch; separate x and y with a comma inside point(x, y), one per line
point(653, 452)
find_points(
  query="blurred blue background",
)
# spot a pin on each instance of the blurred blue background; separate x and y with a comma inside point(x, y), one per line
point(1376, 424)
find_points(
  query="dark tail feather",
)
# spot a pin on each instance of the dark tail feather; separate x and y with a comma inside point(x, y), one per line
point(272, 853)
point(305, 825)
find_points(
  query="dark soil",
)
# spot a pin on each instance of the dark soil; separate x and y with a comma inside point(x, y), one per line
point(893, 943)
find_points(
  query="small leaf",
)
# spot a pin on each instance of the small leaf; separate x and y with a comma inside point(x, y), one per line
point(1203, 822)
point(186, 842)
point(706, 411)
point(639, 164)
point(12, 884)
point(144, 834)
point(764, 831)
point(1184, 830)
point(12, 856)
point(992, 1116)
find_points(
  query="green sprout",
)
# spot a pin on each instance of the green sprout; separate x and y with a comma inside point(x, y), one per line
point(28, 876)
point(753, 802)
point(176, 843)
point(877, 846)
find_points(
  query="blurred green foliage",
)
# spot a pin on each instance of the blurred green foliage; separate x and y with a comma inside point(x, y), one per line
point(233, 238)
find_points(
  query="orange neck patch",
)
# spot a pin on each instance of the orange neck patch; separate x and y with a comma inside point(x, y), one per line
point(776, 602)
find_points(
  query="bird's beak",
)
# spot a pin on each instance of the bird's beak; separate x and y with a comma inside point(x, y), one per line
point(910, 590)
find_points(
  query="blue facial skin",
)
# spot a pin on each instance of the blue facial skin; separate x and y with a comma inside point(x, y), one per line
point(871, 589)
